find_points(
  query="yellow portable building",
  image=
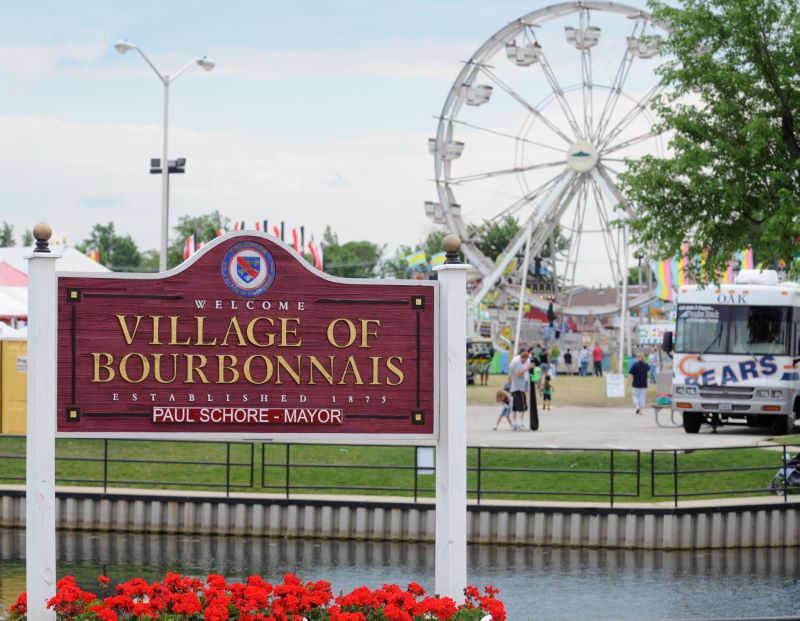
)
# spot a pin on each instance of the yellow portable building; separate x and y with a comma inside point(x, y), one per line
point(13, 385)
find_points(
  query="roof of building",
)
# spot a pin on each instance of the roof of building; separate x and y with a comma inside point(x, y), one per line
point(71, 260)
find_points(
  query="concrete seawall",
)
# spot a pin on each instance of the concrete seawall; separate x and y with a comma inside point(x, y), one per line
point(753, 523)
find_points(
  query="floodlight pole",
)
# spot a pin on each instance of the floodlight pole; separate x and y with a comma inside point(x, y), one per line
point(122, 47)
point(162, 257)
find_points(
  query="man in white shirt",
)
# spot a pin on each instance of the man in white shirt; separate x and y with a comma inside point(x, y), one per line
point(519, 383)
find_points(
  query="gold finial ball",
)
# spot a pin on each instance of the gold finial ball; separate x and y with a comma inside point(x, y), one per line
point(42, 231)
point(451, 243)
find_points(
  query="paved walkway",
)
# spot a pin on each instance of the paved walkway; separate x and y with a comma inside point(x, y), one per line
point(604, 427)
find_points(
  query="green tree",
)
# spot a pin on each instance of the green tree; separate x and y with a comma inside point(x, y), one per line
point(117, 252)
point(492, 238)
point(7, 235)
point(731, 107)
point(27, 238)
point(397, 266)
point(149, 262)
point(204, 228)
point(355, 259)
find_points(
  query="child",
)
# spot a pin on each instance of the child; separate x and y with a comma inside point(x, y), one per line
point(505, 409)
point(547, 393)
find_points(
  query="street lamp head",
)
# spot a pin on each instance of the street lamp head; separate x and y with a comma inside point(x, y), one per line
point(206, 63)
point(123, 46)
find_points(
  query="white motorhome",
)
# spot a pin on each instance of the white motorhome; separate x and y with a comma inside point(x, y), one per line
point(737, 353)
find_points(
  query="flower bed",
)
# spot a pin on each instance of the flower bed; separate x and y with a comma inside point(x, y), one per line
point(182, 598)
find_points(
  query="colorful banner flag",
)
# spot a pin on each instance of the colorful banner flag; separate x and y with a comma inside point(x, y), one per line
point(416, 258)
point(189, 247)
point(295, 240)
point(276, 232)
point(674, 272)
point(94, 255)
point(315, 256)
point(438, 258)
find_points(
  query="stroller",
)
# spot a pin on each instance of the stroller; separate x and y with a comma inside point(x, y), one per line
point(788, 477)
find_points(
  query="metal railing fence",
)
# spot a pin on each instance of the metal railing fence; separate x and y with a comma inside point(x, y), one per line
point(493, 473)
point(723, 471)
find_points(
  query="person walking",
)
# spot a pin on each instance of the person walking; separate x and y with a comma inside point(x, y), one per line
point(519, 384)
point(597, 356)
point(583, 361)
point(505, 409)
point(568, 361)
point(555, 355)
point(639, 372)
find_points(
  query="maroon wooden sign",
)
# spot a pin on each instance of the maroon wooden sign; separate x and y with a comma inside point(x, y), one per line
point(246, 338)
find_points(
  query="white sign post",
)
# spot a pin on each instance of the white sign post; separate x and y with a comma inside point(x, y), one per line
point(40, 490)
point(451, 449)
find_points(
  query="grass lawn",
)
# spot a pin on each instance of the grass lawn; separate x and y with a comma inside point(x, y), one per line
point(569, 390)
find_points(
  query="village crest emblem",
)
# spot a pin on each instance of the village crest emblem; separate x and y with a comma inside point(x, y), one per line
point(248, 269)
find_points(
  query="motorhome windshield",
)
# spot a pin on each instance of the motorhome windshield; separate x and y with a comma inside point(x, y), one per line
point(720, 329)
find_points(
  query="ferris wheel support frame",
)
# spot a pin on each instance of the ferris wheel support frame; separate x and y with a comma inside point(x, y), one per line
point(606, 137)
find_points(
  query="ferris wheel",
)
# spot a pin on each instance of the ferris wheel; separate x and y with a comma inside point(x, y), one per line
point(537, 127)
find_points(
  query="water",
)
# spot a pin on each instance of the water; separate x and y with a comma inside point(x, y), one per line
point(535, 582)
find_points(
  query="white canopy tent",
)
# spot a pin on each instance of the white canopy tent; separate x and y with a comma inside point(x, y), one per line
point(14, 295)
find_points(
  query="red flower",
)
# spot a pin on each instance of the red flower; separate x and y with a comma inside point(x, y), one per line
point(257, 600)
point(20, 607)
point(103, 614)
point(415, 589)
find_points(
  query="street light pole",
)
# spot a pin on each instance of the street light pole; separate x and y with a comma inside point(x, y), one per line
point(162, 257)
point(123, 46)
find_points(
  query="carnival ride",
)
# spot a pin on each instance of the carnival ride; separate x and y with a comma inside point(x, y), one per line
point(537, 127)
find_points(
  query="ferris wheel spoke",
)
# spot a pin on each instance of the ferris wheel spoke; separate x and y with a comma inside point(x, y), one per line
point(629, 143)
point(499, 173)
point(612, 248)
point(505, 135)
point(545, 222)
point(586, 78)
point(575, 241)
point(554, 196)
point(612, 188)
point(620, 77)
point(527, 199)
point(559, 94)
point(639, 108)
point(521, 100)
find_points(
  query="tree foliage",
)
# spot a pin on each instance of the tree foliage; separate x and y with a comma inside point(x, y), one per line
point(492, 238)
point(117, 252)
point(204, 228)
point(354, 259)
point(731, 107)
point(6, 235)
point(397, 266)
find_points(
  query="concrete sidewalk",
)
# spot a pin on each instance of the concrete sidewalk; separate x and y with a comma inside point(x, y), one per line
point(606, 428)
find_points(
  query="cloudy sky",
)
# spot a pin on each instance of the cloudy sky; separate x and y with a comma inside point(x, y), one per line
point(317, 113)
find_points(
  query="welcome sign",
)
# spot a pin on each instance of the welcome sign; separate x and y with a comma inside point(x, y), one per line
point(246, 339)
